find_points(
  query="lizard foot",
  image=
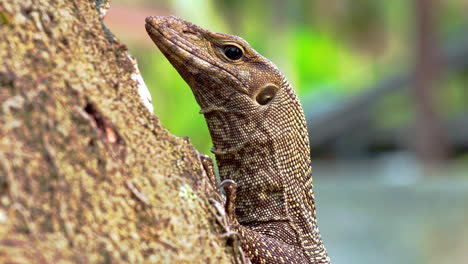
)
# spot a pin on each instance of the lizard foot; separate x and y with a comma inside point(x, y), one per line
point(230, 188)
point(232, 237)
point(207, 164)
point(209, 182)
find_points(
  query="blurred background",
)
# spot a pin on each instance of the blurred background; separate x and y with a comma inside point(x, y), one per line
point(384, 85)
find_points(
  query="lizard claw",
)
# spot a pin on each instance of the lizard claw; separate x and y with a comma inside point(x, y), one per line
point(227, 183)
point(220, 215)
point(230, 187)
point(208, 168)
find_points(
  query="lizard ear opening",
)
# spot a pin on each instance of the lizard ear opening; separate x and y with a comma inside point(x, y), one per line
point(266, 94)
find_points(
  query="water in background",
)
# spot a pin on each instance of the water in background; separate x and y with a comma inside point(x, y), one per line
point(390, 211)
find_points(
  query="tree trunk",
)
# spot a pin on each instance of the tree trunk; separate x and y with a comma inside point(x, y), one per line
point(430, 143)
point(87, 173)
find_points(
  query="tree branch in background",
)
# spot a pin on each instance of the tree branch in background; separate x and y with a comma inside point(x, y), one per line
point(429, 140)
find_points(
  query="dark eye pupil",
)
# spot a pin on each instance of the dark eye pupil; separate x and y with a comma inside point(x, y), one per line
point(232, 52)
point(266, 95)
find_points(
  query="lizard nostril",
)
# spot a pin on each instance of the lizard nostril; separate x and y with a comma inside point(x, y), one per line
point(186, 31)
point(191, 34)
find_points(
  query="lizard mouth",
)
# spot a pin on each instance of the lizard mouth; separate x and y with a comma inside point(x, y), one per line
point(163, 35)
point(167, 39)
point(180, 49)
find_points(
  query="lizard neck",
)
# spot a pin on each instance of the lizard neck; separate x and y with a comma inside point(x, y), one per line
point(270, 162)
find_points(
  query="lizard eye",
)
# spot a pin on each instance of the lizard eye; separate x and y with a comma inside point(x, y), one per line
point(266, 95)
point(232, 52)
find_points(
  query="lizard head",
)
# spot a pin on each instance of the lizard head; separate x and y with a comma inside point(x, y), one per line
point(219, 68)
point(243, 96)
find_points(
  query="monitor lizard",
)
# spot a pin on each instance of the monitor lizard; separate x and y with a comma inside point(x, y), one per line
point(259, 135)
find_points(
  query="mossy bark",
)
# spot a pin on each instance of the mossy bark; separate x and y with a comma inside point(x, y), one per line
point(87, 173)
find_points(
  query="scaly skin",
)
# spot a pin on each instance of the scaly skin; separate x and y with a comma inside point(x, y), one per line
point(260, 143)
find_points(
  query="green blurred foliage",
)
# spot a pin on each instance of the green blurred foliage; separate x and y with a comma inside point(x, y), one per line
point(329, 50)
point(173, 100)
